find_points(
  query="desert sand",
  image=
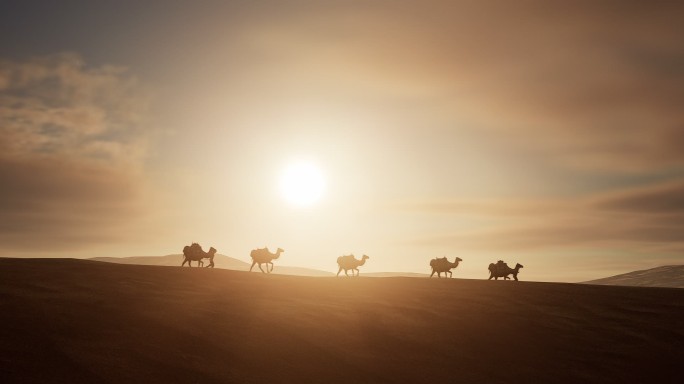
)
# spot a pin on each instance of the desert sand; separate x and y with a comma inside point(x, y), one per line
point(78, 321)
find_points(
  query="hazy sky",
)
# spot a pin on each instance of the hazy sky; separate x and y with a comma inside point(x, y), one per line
point(546, 133)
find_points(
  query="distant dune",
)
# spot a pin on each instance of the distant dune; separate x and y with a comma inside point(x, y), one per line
point(80, 321)
point(671, 276)
point(220, 261)
point(394, 274)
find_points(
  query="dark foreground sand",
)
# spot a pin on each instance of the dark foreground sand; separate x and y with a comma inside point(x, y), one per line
point(75, 321)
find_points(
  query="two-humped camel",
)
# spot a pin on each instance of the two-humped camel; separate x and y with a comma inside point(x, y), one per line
point(440, 265)
point(194, 252)
point(348, 262)
point(263, 256)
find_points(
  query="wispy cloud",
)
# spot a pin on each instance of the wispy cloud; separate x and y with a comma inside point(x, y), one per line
point(638, 219)
point(595, 87)
point(71, 150)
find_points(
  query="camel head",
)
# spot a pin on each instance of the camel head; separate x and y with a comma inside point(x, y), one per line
point(212, 251)
point(518, 265)
point(458, 259)
point(365, 257)
point(278, 252)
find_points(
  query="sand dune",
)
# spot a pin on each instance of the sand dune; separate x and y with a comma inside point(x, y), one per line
point(220, 261)
point(227, 262)
point(395, 274)
point(668, 276)
point(78, 321)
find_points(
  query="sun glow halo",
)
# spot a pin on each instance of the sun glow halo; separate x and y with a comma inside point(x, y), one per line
point(302, 184)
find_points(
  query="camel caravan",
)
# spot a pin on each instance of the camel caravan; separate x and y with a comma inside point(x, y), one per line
point(500, 269)
point(345, 263)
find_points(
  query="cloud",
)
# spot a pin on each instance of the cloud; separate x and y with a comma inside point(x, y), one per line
point(667, 198)
point(594, 87)
point(636, 219)
point(72, 147)
point(57, 106)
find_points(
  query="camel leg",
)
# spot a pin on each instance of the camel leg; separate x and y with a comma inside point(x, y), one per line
point(271, 267)
point(184, 261)
point(357, 272)
point(515, 277)
point(433, 273)
point(253, 263)
point(346, 274)
point(262, 271)
point(450, 274)
point(338, 272)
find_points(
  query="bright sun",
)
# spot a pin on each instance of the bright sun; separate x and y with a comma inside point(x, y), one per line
point(302, 184)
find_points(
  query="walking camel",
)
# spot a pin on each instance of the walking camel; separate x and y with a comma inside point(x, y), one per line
point(194, 252)
point(440, 265)
point(501, 269)
point(348, 262)
point(263, 256)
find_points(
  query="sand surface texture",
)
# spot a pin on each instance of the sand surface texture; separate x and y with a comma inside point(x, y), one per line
point(77, 321)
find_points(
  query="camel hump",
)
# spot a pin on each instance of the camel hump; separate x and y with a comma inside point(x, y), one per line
point(438, 261)
point(344, 258)
point(190, 249)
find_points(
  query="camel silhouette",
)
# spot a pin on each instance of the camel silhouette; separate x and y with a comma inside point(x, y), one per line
point(211, 260)
point(194, 252)
point(263, 256)
point(348, 262)
point(440, 265)
point(501, 269)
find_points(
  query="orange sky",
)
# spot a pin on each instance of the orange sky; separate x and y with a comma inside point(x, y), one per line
point(546, 134)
